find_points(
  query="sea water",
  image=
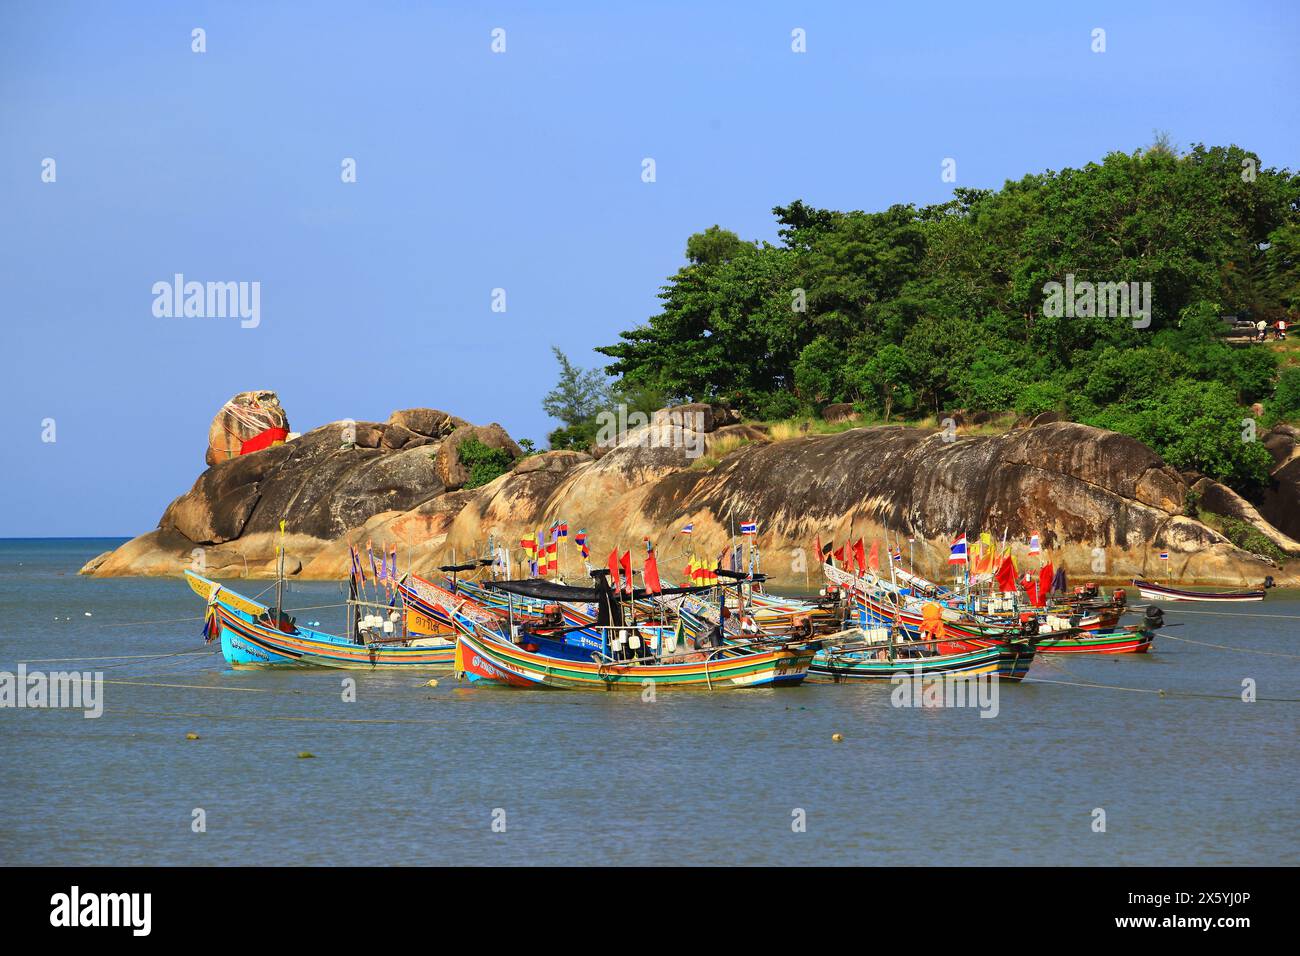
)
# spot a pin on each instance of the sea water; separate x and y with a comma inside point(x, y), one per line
point(1085, 763)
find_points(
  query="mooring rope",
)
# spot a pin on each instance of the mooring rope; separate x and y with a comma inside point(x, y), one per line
point(1157, 690)
point(316, 719)
point(1179, 610)
point(1083, 682)
point(1228, 647)
point(117, 657)
point(182, 620)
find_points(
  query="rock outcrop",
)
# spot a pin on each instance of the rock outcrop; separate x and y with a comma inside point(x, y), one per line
point(1279, 503)
point(1104, 504)
point(243, 419)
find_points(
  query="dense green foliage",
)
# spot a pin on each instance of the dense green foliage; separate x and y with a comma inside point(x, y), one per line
point(484, 463)
point(914, 311)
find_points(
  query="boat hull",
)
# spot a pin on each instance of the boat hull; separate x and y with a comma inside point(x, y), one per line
point(1159, 592)
point(1006, 661)
point(485, 660)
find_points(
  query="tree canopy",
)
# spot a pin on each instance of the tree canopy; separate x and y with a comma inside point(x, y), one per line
point(912, 311)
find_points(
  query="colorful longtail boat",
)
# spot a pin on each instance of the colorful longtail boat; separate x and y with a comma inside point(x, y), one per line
point(481, 658)
point(860, 661)
point(964, 633)
point(625, 660)
point(250, 639)
point(1153, 591)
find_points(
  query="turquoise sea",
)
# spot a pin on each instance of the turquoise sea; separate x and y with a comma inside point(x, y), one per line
point(412, 774)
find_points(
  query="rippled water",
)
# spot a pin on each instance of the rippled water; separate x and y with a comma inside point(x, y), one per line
point(413, 774)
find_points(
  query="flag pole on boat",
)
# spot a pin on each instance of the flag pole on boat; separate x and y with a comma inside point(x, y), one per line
point(279, 578)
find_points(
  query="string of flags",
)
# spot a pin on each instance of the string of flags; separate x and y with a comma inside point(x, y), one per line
point(383, 572)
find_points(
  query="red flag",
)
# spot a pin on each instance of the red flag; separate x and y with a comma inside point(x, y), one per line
point(873, 562)
point(613, 570)
point(1045, 583)
point(859, 556)
point(651, 574)
point(627, 571)
point(839, 554)
point(817, 547)
point(1006, 576)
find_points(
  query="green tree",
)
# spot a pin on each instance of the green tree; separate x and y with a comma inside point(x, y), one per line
point(483, 462)
point(888, 375)
point(916, 310)
point(1285, 405)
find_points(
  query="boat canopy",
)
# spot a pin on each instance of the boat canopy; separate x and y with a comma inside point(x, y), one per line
point(551, 591)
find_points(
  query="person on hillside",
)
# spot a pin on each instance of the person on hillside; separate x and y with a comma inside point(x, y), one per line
point(1261, 328)
point(1280, 333)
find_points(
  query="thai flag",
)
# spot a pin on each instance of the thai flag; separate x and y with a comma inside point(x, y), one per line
point(957, 553)
point(1164, 555)
point(689, 529)
point(897, 555)
point(1035, 544)
point(749, 527)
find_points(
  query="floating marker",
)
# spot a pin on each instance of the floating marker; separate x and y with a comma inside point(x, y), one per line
point(838, 738)
point(191, 736)
point(306, 755)
point(433, 682)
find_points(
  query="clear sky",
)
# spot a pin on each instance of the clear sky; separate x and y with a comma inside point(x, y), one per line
point(475, 170)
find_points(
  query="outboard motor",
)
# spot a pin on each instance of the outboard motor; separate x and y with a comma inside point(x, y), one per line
point(1120, 596)
point(1268, 582)
point(1154, 618)
point(1028, 624)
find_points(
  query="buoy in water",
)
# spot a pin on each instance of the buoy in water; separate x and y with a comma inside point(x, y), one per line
point(433, 682)
point(838, 738)
point(306, 755)
point(191, 736)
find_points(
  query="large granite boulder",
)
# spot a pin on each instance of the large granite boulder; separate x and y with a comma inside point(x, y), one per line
point(242, 419)
point(320, 484)
point(451, 470)
point(429, 422)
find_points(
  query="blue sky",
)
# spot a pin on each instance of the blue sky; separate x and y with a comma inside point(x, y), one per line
point(478, 171)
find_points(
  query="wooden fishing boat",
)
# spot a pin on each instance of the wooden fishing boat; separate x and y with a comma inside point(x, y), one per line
point(1153, 591)
point(865, 660)
point(628, 655)
point(1133, 639)
point(250, 638)
point(1055, 634)
point(481, 658)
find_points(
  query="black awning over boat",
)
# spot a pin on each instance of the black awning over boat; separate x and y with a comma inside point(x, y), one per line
point(472, 566)
point(551, 591)
point(739, 575)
